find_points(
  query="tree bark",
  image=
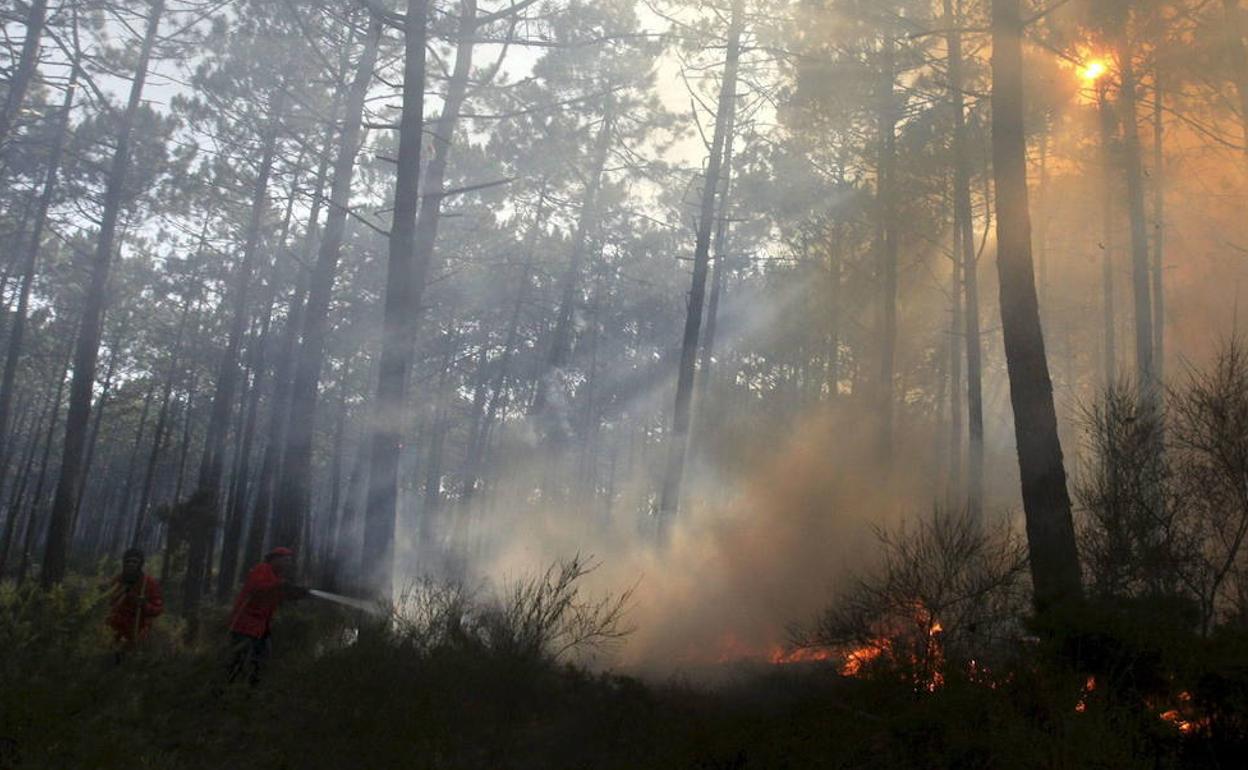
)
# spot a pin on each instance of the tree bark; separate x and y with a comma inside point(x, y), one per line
point(18, 333)
point(93, 438)
point(1109, 314)
point(886, 249)
point(161, 429)
point(88, 343)
point(234, 520)
point(480, 439)
point(212, 463)
point(957, 393)
point(561, 337)
point(969, 274)
point(180, 477)
point(122, 517)
point(405, 281)
point(1140, 258)
point(1046, 503)
point(1239, 68)
point(1159, 232)
point(280, 408)
point(719, 271)
point(19, 492)
point(293, 493)
point(673, 478)
point(36, 502)
point(19, 82)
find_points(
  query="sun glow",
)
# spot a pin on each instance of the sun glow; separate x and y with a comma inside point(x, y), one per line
point(1093, 71)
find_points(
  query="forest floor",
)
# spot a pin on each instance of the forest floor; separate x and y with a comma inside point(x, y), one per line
point(329, 699)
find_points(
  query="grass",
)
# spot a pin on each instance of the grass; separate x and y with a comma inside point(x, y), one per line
point(459, 696)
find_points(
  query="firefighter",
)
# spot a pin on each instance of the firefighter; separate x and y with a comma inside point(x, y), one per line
point(267, 586)
point(135, 601)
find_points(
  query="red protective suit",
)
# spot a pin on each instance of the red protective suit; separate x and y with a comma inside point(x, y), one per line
point(134, 606)
point(255, 604)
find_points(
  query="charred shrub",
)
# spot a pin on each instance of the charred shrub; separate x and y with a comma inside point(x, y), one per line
point(945, 591)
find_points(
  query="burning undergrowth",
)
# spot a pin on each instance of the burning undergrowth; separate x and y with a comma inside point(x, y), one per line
point(947, 591)
point(743, 559)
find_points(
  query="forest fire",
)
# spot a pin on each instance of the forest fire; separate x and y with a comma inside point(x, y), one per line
point(1183, 716)
point(1089, 685)
point(779, 656)
point(911, 326)
point(926, 657)
point(731, 649)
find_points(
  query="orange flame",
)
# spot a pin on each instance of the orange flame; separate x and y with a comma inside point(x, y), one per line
point(1183, 717)
point(1088, 686)
point(861, 656)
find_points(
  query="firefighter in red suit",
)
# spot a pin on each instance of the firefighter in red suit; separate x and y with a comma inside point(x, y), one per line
point(267, 586)
point(135, 600)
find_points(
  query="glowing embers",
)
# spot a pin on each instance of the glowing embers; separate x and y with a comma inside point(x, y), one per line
point(1184, 717)
point(915, 646)
point(1081, 705)
point(781, 657)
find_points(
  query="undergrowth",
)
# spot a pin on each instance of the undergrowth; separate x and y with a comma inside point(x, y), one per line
point(448, 683)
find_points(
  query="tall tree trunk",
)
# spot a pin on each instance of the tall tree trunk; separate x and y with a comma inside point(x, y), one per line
point(435, 425)
point(886, 248)
point(18, 333)
point(673, 477)
point(964, 221)
point(835, 263)
point(293, 494)
point(122, 516)
point(1046, 503)
point(1109, 314)
point(258, 364)
point(36, 502)
point(232, 535)
point(162, 423)
point(347, 567)
point(441, 139)
point(1159, 231)
point(180, 476)
point(1239, 68)
point(19, 82)
point(88, 343)
point(511, 343)
point(29, 409)
point(957, 333)
point(405, 282)
point(1042, 228)
point(19, 492)
point(280, 407)
point(1140, 258)
point(212, 463)
point(561, 337)
point(333, 508)
point(97, 417)
point(719, 271)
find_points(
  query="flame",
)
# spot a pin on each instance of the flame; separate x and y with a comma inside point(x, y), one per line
point(1089, 685)
point(857, 658)
point(1182, 716)
point(781, 657)
point(926, 653)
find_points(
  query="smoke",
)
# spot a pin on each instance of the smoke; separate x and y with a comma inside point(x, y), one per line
point(750, 553)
